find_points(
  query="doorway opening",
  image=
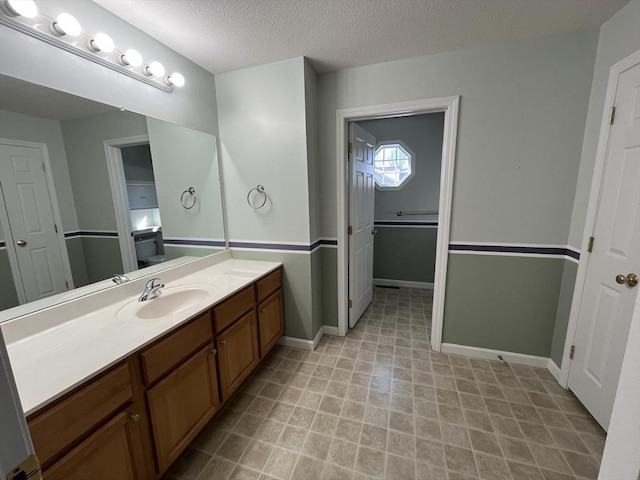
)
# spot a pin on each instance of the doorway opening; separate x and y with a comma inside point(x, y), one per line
point(135, 201)
point(357, 182)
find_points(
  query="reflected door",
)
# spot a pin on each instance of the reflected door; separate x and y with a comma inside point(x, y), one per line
point(32, 230)
point(610, 286)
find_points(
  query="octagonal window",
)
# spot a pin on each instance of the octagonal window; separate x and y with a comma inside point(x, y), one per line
point(394, 165)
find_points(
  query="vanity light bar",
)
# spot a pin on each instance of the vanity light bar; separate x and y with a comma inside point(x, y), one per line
point(98, 47)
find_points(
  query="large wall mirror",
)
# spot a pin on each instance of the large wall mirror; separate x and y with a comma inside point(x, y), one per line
point(89, 191)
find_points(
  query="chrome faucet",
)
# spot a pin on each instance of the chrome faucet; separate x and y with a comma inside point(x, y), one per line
point(119, 278)
point(151, 290)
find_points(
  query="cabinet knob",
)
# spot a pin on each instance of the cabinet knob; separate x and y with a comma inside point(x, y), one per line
point(223, 342)
point(262, 310)
point(135, 418)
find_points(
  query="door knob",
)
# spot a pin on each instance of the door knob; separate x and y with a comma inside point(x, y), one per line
point(21, 243)
point(374, 231)
point(630, 279)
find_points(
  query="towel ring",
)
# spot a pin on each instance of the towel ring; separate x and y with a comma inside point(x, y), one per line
point(184, 199)
point(258, 189)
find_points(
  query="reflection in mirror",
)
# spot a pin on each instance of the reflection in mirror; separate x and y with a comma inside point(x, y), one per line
point(89, 191)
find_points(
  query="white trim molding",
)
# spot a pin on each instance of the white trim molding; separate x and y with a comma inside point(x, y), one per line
point(388, 282)
point(592, 208)
point(120, 200)
point(310, 345)
point(554, 370)
point(448, 105)
point(488, 354)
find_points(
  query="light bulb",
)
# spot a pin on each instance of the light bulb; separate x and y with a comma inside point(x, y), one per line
point(176, 79)
point(101, 43)
point(25, 8)
point(66, 24)
point(154, 69)
point(131, 58)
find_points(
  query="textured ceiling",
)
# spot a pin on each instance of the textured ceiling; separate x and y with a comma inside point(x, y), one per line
point(224, 35)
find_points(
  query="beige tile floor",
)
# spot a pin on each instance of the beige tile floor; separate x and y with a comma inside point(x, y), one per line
point(379, 404)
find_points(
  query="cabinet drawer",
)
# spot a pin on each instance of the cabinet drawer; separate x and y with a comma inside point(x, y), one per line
point(269, 284)
point(177, 346)
point(232, 308)
point(58, 427)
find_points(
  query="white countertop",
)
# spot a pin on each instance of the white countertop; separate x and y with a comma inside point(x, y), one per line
point(82, 338)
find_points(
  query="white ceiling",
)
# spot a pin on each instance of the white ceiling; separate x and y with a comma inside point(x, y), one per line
point(224, 35)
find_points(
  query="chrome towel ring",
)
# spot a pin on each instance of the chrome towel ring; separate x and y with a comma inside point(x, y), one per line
point(258, 189)
point(188, 198)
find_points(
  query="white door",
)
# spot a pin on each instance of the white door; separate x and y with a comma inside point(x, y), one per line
point(32, 230)
point(361, 204)
point(609, 289)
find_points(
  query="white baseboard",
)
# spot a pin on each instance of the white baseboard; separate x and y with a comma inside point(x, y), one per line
point(300, 343)
point(385, 282)
point(327, 330)
point(554, 370)
point(303, 344)
point(488, 354)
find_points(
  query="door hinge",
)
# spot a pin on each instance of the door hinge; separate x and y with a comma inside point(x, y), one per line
point(350, 303)
point(612, 115)
point(349, 148)
point(572, 352)
point(44, 168)
point(590, 244)
point(28, 469)
point(55, 227)
point(349, 230)
point(66, 284)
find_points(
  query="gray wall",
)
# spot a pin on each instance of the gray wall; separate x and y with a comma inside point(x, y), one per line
point(137, 165)
point(184, 158)
point(265, 136)
point(409, 252)
point(423, 134)
point(521, 124)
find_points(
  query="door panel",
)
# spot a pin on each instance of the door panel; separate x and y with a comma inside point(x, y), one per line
point(32, 228)
point(606, 306)
point(361, 204)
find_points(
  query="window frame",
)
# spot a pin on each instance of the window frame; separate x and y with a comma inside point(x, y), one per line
point(412, 160)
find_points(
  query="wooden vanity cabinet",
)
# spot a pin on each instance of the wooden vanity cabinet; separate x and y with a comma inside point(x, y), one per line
point(238, 353)
point(134, 420)
point(182, 403)
point(270, 321)
point(109, 454)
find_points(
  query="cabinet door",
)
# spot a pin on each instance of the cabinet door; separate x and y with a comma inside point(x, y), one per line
point(134, 195)
point(270, 322)
point(238, 353)
point(181, 405)
point(150, 199)
point(108, 454)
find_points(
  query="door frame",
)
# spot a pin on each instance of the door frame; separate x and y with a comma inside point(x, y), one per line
point(57, 218)
point(118, 184)
point(448, 105)
point(592, 210)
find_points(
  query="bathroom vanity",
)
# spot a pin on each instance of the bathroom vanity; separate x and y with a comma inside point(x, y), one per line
point(121, 390)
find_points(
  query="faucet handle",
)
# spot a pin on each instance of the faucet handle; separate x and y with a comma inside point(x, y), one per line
point(152, 283)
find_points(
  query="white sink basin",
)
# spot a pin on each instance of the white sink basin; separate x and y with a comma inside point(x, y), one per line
point(173, 300)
